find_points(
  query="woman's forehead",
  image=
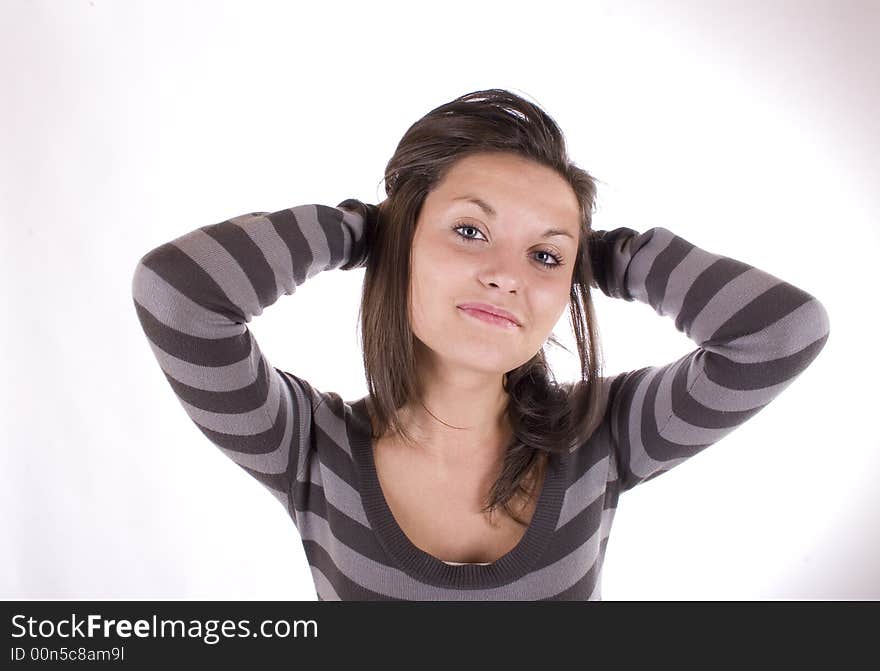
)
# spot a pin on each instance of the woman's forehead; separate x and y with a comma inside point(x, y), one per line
point(498, 182)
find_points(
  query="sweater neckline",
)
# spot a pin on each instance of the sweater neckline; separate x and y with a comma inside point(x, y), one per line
point(423, 566)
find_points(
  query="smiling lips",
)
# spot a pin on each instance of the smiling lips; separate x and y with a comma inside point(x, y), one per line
point(490, 314)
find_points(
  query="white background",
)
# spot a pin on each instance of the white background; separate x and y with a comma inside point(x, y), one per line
point(747, 128)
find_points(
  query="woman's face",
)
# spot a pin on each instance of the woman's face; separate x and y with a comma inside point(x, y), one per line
point(502, 259)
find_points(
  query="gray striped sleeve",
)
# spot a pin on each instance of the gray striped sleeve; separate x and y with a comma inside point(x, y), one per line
point(193, 297)
point(755, 334)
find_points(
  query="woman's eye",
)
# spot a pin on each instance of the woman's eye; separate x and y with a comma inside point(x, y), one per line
point(466, 227)
point(557, 260)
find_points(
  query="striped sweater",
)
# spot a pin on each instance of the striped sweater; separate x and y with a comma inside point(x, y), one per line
point(312, 450)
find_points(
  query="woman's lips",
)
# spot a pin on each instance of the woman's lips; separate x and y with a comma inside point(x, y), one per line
point(490, 318)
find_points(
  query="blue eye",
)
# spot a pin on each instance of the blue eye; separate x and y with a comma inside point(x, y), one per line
point(460, 226)
point(556, 258)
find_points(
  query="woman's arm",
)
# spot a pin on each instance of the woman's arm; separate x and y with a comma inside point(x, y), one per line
point(755, 334)
point(193, 297)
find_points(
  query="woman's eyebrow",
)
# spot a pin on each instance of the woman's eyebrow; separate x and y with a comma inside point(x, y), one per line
point(490, 211)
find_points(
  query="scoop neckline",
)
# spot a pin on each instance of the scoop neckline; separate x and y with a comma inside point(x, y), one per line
point(423, 566)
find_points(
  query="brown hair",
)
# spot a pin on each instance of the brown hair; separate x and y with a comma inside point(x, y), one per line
point(545, 417)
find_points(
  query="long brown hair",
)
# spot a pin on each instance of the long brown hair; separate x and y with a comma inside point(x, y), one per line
point(545, 417)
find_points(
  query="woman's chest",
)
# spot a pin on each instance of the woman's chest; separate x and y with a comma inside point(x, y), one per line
point(441, 516)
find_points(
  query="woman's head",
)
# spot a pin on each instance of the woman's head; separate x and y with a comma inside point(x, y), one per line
point(432, 248)
point(462, 253)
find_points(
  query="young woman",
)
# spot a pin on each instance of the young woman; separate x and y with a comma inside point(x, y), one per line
point(467, 471)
